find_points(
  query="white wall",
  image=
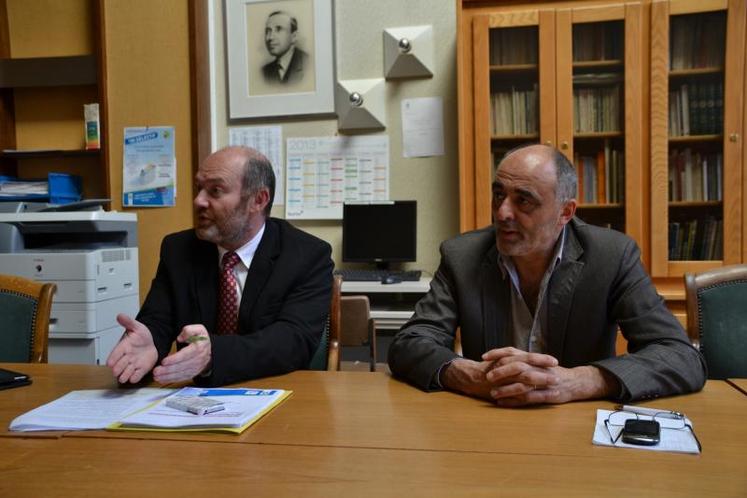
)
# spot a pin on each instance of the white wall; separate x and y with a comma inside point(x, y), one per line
point(433, 181)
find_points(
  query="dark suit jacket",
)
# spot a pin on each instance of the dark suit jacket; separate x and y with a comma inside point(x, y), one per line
point(283, 307)
point(298, 62)
point(598, 285)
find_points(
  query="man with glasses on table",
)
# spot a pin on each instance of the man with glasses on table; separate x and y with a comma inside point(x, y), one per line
point(538, 298)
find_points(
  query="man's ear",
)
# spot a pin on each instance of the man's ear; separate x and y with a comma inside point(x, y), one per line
point(567, 211)
point(260, 200)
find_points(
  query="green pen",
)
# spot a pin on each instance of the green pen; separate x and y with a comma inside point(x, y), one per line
point(196, 338)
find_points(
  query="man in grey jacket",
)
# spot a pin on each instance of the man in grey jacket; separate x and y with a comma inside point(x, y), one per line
point(538, 298)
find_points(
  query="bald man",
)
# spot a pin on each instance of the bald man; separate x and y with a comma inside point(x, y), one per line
point(538, 298)
point(243, 295)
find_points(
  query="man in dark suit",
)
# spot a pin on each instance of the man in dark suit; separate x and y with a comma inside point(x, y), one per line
point(538, 299)
point(280, 275)
point(280, 39)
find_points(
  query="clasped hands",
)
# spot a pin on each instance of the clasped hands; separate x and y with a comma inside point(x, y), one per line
point(512, 377)
point(135, 355)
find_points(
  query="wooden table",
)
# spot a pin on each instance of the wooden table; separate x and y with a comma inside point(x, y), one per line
point(359, 433)
point(740, 384)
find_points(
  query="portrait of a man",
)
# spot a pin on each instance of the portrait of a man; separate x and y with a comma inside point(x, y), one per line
point(282, 34)
point(290, 61)
point(280, 56)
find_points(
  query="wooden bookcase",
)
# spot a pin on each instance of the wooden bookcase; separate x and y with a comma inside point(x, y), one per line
point(52, 62)
point(697, 60)
point(589, 56)
point(539, 74)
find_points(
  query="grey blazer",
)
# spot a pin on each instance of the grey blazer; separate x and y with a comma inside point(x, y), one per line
point(598, 285)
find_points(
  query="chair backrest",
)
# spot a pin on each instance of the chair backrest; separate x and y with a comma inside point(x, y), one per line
point(24, 307)
point(717, 319)
point(327, 355)
point(358, 327)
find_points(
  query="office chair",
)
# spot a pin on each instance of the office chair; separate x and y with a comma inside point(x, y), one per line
point(24, 307)
point(358, 327)
point(717, 319)
point(327, 355)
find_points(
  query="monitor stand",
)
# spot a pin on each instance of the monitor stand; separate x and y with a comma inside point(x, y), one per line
point(382, 265)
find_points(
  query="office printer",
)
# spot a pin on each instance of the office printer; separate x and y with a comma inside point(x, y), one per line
point(91, 256)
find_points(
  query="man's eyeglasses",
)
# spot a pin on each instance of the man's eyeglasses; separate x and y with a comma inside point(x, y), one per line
point(625, 423)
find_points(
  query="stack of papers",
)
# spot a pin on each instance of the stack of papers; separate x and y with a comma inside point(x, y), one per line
point(145, 409)
point(89, 409)
point(12, 188)
point(241, 408)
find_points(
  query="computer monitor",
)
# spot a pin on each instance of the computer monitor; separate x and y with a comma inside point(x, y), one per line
point(382, 232)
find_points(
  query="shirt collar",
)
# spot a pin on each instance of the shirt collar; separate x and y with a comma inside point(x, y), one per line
point(284, 60)
point(506, 265)
point(245, 252)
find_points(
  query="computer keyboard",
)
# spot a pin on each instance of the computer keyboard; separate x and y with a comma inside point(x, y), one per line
point(378, 275)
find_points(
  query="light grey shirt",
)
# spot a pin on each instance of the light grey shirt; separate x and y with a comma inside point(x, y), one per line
point(529, 332)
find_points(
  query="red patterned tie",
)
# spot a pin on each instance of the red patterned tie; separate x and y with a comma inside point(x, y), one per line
point(228, 302)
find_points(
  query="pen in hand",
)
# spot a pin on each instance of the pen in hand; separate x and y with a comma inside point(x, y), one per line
point(196, 338)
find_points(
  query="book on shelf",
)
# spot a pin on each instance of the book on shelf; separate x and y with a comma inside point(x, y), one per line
point(596, 109)
point(696, 239)
point(514, 111)
point(510, 46)
point(696, 108)
point(697, 40)
point(601, 176)
point(598, 41)
point(602, 197)
point(695, 176)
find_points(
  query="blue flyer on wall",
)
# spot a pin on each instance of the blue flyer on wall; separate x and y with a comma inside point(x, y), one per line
point(149, 167)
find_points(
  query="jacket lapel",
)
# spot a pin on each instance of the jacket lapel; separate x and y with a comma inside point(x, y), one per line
point(560, 292)
point(260, 270)
point(494, 291)
point(205, 283)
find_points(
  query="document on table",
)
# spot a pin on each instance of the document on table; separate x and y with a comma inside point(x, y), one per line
point(674, 438)
point(87, 409)
point(241, 408)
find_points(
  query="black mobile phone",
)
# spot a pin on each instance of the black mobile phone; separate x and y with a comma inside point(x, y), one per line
point(9, 378)
point(643, 432)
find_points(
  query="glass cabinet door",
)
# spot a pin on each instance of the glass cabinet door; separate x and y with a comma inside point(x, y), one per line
point(514, 94)
point(696, 135)
point(599, 112)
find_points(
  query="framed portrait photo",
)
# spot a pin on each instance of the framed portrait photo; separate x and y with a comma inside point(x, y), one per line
point(280, 57)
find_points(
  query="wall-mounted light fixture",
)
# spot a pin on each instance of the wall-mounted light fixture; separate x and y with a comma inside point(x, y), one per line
point(360, 104)
point(408, 52)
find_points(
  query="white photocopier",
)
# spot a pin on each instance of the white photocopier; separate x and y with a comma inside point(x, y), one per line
point(92, 257)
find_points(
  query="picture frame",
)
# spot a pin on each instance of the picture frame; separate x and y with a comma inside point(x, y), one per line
point(280, 57)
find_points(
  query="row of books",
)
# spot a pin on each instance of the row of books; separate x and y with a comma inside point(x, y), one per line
point(696, 240)
point(695, 176)
point(696, 109)
point(596, 109)
point(515, 111)
point(513, 46)
point(601, 177)
point(597, 42)
point(697, 40)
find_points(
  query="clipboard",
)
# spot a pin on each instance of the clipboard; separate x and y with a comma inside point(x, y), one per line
point(10, 379)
